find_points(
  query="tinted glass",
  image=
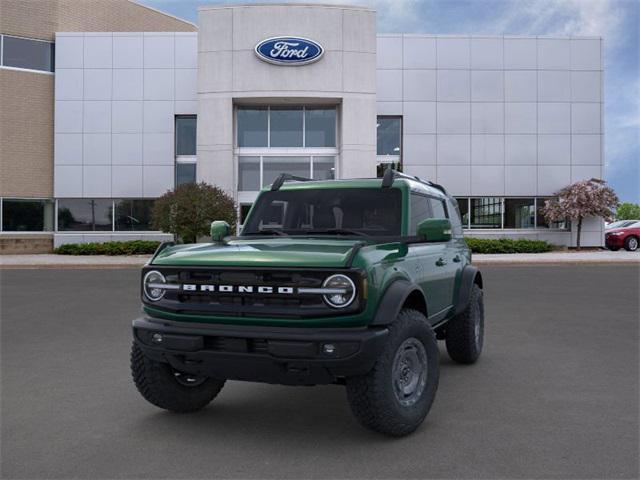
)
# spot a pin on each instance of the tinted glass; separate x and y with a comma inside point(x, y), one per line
point(252, 126)
point(244, 211)
point(420, 210)
point(248, 174)
point(133, 215)
point(463, 208)
point(27, 215)
point(324, 168)
point(25, 53)
point(375, 212)
point(320, 127)
point(81, 214)
point(454, 218)
point(272, 167)
point(286, 126)
point(389, 132)
point(185, 173)
point(486, 212)
point(542, 222)
point(519, 213)
point(186, 135)
point(438, 208)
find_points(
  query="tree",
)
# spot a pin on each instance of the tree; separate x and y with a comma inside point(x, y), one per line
point(628, 211)
point(586, 198)
point(188, 211)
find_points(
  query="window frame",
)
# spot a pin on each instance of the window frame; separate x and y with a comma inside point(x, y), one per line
point(183, 159)
point(22, 69)
point(396, 160)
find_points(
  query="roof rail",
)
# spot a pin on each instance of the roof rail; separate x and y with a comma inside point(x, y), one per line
point(286, 177)
point(390, 175)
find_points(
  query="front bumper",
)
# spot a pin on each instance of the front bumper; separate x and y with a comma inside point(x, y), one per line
point(283, 355)
point(615, 241)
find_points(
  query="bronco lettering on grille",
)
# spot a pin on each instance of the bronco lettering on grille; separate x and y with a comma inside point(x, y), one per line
point(192, 287)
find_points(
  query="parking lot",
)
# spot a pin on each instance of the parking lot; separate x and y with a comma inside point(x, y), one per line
point(555, 394)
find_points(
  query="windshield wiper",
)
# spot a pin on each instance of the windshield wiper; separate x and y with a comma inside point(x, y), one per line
point(338, 231)
point(270, 231)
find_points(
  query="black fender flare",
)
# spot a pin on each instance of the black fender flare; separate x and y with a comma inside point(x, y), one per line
point(470, 275)
point(393, 299)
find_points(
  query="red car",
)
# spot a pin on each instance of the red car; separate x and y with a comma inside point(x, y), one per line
point(627, 237)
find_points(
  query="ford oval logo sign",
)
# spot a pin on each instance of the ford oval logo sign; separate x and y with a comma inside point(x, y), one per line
point(289, 51)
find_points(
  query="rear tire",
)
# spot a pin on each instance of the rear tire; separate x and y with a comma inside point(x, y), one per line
point(396, 395)
point(169, 389)
point(465, 332)
point(631, 243)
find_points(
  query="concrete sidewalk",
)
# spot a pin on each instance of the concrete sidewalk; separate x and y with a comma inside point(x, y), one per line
point(104, 261)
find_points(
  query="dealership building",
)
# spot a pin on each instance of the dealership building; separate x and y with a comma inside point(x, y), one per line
point(119, 103)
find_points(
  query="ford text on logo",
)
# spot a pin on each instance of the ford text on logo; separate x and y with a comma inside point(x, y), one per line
point(289, 51)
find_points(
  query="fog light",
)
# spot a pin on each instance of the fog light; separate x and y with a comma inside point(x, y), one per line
point(329, 348)
point(156, 338)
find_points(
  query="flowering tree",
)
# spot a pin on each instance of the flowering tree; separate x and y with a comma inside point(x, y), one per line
point(586, 198)
point(188, 210)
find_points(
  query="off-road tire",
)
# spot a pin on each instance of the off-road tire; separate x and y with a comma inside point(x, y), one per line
point(156, 382)
point(463, 341)
point(372, 396)
point(631, 243)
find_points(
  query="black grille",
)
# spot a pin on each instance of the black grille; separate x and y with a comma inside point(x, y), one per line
point(234, 304)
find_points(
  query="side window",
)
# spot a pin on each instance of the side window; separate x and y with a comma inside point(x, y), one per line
point(454, 217)
point(438, 208)
point(420, 209)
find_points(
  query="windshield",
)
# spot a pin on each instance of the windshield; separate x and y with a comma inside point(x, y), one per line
point(621, 224)
point(344, 211)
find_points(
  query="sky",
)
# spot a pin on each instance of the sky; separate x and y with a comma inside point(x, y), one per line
point(617, 21)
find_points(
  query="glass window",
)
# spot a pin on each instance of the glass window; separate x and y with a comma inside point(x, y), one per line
point(320, 127)
point(253, 124)
point(374, 212)
point(543, 223)
point(248, 174)
point(438, 208)
point(133, 215)
point(83, 214)
point(486, 212)
point(519, 213)
point(324, 168)
point(454, 218)
point(389, 132)
point(244, 211)
point(25, 53)
point(186, 135)
point(286, 127)
point(420, 210)
point(185, 173)
point(26, 215)
point(463, 208)
point(272, 167)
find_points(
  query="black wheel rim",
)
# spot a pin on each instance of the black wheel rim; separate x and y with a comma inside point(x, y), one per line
point(410, 369)
point(188, 379)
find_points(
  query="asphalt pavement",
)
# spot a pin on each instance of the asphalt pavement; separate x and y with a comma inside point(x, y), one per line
point(555, 394)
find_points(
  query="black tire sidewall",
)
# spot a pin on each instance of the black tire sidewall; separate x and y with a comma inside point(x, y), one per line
point(627, 244)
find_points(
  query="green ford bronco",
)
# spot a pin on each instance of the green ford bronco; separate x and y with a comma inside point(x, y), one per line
point(348, 282)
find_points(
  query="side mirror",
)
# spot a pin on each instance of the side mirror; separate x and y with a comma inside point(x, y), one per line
point(435, 229)
point(219, 230)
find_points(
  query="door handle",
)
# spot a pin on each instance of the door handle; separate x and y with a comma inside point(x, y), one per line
point(441, 262)
point(457, 259)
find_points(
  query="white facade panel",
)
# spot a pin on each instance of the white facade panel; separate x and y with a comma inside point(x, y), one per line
point(109, 131)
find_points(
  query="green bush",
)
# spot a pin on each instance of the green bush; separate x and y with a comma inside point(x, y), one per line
point(131, 247)
point(507, 245)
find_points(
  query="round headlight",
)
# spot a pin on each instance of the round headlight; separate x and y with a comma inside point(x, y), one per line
point(152, 285)
point(342, 293)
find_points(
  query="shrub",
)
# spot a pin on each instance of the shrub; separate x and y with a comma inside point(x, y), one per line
point(507, 245)
point(131, 247)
